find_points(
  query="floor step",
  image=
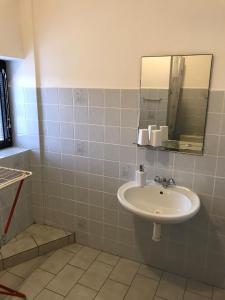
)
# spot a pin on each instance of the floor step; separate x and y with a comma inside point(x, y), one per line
point(35, 241)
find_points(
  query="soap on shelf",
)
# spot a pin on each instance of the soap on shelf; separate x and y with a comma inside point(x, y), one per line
point(150, 129)
point(156, 138)
point(143, 139)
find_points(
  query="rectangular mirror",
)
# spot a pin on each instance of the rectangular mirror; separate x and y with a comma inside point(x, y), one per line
point(174, 93)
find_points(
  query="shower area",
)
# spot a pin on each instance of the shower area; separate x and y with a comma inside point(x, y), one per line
point(34, 230)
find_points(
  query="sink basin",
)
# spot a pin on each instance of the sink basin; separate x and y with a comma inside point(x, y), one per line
point(174, 204)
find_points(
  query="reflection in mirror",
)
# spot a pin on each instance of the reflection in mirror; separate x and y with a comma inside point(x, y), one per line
point(174, 93)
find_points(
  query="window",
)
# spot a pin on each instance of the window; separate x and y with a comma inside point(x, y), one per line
point(5, 122)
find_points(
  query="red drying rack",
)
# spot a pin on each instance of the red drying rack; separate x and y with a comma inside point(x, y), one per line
point(8, 177)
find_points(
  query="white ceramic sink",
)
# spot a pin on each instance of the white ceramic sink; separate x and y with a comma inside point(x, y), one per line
point(171, 205)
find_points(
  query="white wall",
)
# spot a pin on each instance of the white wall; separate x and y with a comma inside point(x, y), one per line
point(11, 44)
point(100, 43)
point(23, 72)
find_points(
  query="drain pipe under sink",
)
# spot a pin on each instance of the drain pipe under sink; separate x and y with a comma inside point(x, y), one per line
point(157, 231)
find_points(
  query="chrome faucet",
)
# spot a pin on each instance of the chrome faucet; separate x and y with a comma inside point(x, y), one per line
point(165, 182)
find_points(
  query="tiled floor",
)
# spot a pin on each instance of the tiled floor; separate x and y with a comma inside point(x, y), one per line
point(81, 273)
point(34, 241)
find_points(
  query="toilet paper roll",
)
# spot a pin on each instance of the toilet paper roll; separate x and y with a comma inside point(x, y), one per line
point(156, 138)
point(164, 133)
point(143, 139)
point(150, 128)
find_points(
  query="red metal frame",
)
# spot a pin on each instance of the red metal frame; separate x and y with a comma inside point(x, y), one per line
point(4, 290)
point(13, 207)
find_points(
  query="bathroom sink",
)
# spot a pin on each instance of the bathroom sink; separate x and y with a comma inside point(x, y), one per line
point(174, 204)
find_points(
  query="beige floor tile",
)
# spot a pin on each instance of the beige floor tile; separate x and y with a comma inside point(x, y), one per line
point(11, 280)
point(80, 292)
point(22, 235)
point(73, 248)
point(22, 245)
point(56, 261)
point(48, 295)
point(96, 275)
point(1, 265)
point(112, 290)
point(171, 287)
point(2, 273)
point(150, 272)
point(71, 265)
point(65, 280)
point(199, 288)
point(33, 285)
point(12, 240)
point(142, 287)
point(192, 296)
point(218, 294)
point(43, 234)
point(108, 258)
point(84, 257)
point(124, 271)
point(25, 269)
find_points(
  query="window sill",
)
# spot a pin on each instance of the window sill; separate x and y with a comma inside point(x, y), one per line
point(11, 151)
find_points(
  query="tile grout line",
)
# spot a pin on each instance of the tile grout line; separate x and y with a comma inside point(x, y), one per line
point(129, 287)
point(61, 249)
point(185, 287)
point(113, 267)
point(108, 277)
point(73, 284)
point(85, 271)
point(58, 273)
point(46, 288)
point(158, 284)
point(44, 285)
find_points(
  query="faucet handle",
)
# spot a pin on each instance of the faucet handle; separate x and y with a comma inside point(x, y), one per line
point(158, 179)
point(171, 181)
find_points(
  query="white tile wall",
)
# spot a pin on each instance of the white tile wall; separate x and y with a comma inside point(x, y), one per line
point(97, 149)
point(87, 153)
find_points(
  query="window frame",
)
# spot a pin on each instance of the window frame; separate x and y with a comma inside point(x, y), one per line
point(5, 117)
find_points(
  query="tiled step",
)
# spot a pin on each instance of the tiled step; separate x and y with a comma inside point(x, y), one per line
point(36, 240)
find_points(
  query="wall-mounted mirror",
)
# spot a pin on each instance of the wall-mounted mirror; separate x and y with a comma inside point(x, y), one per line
point(174, 93)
